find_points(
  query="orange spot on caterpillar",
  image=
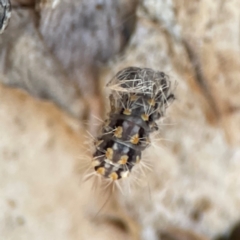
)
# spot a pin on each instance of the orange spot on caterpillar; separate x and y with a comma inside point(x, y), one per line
point(135, 139)
point(145, 117)
point(118, 132)
point(109, 153)
point(113, 176)
point(151, 102)
point(127, 111)
point(123, 159)
point(101, 170)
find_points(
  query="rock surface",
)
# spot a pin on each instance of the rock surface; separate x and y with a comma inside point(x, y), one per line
point(194, 183)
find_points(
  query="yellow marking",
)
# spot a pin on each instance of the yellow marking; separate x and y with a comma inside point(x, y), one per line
point(135, 139)
point(118, 132)
point(145, 117)
point(151, 102)
point(101, 170)
point(123, 159)
point(113, 176)
point(127, 111)
point(133, 98)
point(138, 159)
point(124, 174)
point(109, 153)
point(95, 163)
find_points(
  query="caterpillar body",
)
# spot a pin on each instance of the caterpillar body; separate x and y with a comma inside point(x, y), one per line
point(139, 98)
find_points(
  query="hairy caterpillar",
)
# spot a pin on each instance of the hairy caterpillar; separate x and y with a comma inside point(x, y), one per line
point(5, 14)
point(138, 100)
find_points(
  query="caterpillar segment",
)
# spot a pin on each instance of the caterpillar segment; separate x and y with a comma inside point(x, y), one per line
point(139, 99)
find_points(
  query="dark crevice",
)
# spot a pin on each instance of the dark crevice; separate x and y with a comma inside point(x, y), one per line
point(200, 78)
point(233, 234)
point(23, 6)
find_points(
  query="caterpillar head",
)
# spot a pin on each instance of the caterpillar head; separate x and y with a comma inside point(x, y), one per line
point(142, 81)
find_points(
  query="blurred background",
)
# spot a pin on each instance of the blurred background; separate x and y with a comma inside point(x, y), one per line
point(56, 57)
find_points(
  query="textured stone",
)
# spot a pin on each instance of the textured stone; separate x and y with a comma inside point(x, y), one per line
point(194, 183)
point(195, 179)
point(41, 194)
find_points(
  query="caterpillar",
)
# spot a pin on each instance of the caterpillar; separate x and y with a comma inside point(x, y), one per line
point(139, 98)
point(5, 14)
